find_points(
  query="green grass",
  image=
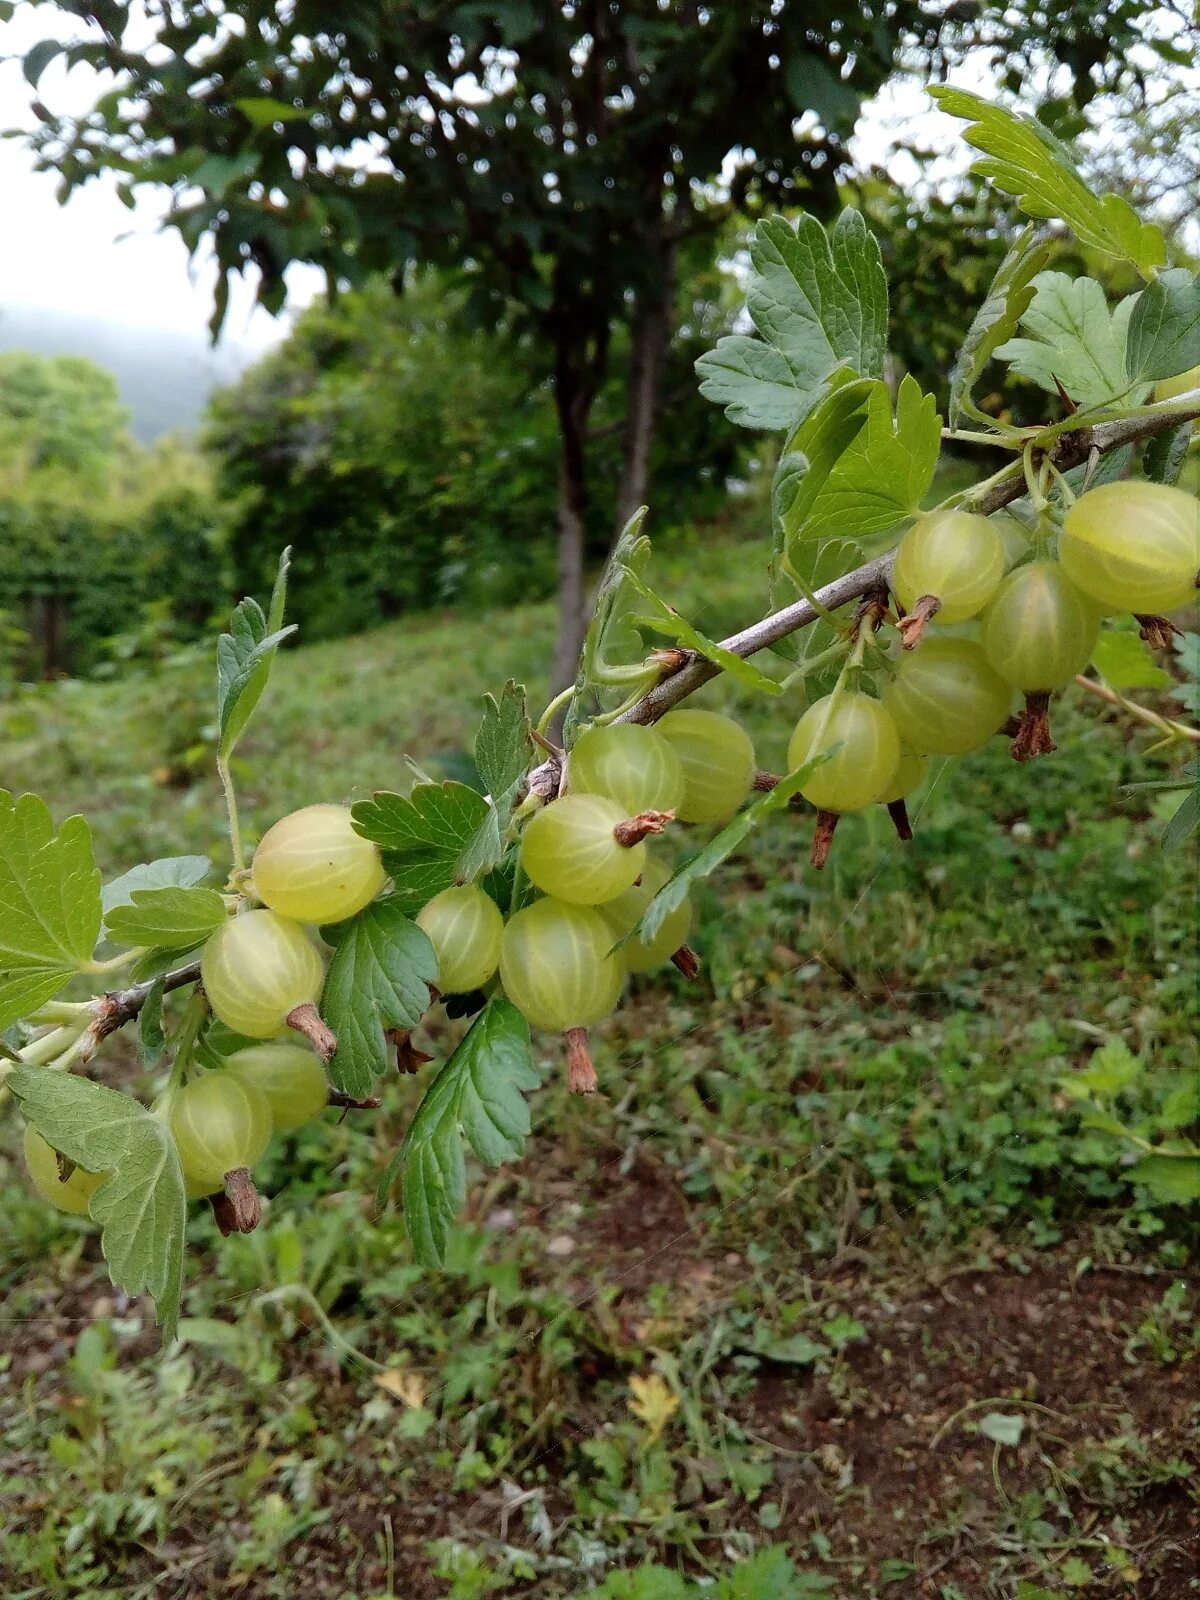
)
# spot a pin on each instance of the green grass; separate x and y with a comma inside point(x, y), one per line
point(854, 1110)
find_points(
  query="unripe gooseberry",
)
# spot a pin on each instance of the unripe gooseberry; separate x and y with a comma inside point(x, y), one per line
point(625, 912)
point(570, 850)
point(1181, 383)
point(71, 1194)
point(1133, 546)
point(1014, 537)
point(717, 756)
point(464, 926)
point(313, 867)
point(220, 1123)
point(858, 773)
point(290, 1078)
point(256, 969)
point(632, 765)
point(556, 966)
point(945, 699)
point(954, 556)
point(1040, 629)
point(908, 774)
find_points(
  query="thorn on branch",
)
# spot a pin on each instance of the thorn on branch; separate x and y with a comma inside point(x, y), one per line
point(634, 829)
point(238, 1209)
point(306, 1019)
point(1032, 738)
point(912, 627)
point(827, 822)
point(581, 1074)
point(898, 812)
point(1156, 631)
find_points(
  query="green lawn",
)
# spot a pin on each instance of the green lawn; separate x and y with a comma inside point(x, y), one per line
point(830, 1205)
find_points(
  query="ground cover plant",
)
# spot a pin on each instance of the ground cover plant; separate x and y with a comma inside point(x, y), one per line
point(538, 863)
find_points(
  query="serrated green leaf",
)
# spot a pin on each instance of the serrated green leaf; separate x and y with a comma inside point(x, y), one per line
point(880, 477)
point(181, 872)
point(998, 317)
point(422, 836)
point(244, 657)
point(1073, 336)
point(677, 887)
point(819, 302)
point(813, 452)
point(1181, 1105)
point(477, 1094)
point(378, 978)
point(1126, 662)
point(1112, 1068)
point(49, 904)
point(151, 1038)
point(140, 1206)
point(1163, 458)
point(1164, 330)
point(503, 754)
point(1024, 159)
point(1173, 1178)
point(665, 619)
point(167, 919)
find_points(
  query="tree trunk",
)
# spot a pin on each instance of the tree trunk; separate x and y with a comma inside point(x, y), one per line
point(650, 336)
point(573, 401)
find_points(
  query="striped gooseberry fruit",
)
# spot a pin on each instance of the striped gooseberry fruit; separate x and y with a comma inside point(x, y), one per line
point(717, 757)
point(856, 774)
point(313, 867)
point(71, 1194)
point(290, 1078)
point(908, 774)
point(257, 968)
point(633, 766)
point(1040, 629)
point(625, 912)
point(1169, 388)
point(570, 850)
point(1014, 536)
point(955, 557)
point(1133, 546)
point(220, 1123)
point(556, 966)
point(464, 927)
point(945, 699)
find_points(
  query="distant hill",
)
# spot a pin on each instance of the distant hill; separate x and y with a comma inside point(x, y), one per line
point(165, 376)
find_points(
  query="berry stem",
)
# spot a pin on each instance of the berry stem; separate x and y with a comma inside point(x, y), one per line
point(231, 809)
point(1169, 730)
point(306, 1019)
point(581, 1074)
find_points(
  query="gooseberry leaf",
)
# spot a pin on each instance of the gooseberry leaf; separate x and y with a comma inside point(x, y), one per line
point(812, 453)
point(1169, 1177)
point(178, 872)
point(1164, 330)
point(1111, 1069)
point(244, 657)
point(1126, 662)
point(167, 919)
point(422, 836)
point(1164, 455)
point(503, 754)
point(140, 1205)
point(997, 318)
point(689, 872)
point(880, 477)
point(49, 904)
point(1022, 158)
point(1072, 337)
point(378, 978)
point(477, 1095)
point(819, 303)
point(665, 619)
point(151, 1035)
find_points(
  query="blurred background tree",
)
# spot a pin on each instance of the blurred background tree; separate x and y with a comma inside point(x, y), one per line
point(559, 156)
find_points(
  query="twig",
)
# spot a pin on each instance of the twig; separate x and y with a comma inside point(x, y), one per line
point(113, 1010)
point(1164, 725)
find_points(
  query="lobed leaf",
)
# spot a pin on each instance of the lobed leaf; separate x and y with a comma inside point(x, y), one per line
point(1169, 1177)
point(244, 657)
point(167, 919)
point(1126, 662)
point(1024, 159)
point(998, 317)
point(1164, 330)
point(181, 872)
point(379, 978)
point(1073, 337)
point(477, 1095)
point(140, 1206)
point(422, 836)
point(49, 904)
point(503, 754)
